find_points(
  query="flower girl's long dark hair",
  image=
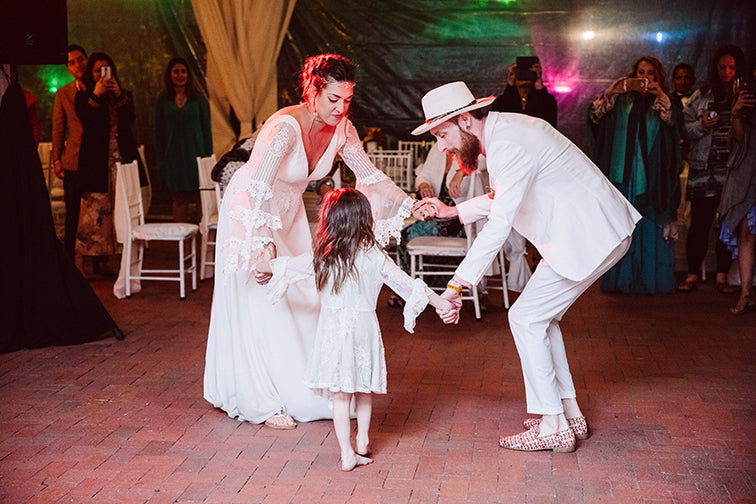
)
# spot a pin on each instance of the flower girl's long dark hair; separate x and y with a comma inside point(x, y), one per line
point(345, 226)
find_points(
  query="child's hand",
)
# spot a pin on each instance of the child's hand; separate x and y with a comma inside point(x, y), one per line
point(448, 309)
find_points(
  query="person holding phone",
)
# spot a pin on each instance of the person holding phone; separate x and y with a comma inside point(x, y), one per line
point(106, 112)
point(708, 123)
point(737, 208)
point(525, 92)
point(635, 141)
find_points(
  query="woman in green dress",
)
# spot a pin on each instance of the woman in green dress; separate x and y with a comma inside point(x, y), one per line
point(182, 133)
point(637, 146)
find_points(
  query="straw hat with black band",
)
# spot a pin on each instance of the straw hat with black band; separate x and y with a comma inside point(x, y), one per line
point(447, 101)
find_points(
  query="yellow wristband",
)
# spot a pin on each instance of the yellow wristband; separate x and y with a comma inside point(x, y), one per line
point(457, 288)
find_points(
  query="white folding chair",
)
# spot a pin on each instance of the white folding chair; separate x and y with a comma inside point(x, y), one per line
point(422, 248)
point(146, 190)
point(134, 229)
point(209, 200)
point(397, 164)
point(419, 149)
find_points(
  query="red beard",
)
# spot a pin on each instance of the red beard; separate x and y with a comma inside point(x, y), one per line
point(467, 154)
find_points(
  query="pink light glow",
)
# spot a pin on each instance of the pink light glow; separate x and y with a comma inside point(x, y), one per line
point(562, 89)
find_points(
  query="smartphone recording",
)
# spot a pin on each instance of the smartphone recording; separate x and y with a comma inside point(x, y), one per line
point(523, 70)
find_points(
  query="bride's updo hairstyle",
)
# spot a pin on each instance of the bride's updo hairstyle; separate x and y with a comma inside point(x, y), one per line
point(318, 69)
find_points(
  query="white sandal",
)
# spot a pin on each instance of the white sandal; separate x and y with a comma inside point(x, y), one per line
point(281, 421)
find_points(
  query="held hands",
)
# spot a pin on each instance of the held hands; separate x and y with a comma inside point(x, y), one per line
point(424, 209)
point(263, 272)
point(450, 316)
point(440, 210)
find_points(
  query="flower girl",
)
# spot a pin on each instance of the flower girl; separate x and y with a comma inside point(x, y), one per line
point(350, 268)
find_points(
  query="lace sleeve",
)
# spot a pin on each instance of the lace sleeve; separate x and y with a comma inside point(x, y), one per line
point(412, 290)
point(251, 220)
point(286, 271)
point(390, 204)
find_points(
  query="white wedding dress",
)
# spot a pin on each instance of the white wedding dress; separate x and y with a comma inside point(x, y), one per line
point(256, 351)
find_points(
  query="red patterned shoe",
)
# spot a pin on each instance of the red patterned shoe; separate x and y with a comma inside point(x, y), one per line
point(563, 442)
point(579, 425)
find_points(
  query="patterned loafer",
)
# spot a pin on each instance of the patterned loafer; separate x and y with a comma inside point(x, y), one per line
point(562, 442)
point(579, 425)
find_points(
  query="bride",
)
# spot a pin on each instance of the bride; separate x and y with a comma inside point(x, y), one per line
point(256, 351)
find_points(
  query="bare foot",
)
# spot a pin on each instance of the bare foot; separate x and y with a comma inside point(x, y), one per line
point(349, 463)
point(363, 446)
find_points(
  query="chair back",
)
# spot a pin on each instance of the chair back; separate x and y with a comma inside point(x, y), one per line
point(146, 190)
point(397, 164)
point(208, 195)
point(419, 149)
point(129, 211)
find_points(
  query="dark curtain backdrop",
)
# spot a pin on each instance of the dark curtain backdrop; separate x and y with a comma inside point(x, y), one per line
point(405, 47)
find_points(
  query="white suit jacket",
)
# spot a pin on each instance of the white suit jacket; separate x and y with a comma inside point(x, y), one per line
point(549, 191)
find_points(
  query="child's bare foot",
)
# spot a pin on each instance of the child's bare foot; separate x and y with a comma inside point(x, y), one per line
point(363, 446)
point(349, 463)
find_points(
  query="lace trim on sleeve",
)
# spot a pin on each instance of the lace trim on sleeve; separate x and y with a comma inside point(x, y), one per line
point(392, 226)
point(416, 303)
point(252, 212)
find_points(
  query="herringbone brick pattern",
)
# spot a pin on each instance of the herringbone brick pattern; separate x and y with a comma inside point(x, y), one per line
point(667, 383)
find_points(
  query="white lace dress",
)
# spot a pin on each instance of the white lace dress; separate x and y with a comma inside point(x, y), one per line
point(256, 352)
point(348, 353)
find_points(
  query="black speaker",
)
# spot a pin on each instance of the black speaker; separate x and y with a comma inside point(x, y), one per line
point(33, 32)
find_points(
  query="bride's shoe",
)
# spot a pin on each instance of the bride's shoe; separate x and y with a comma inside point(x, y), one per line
point(281, 421)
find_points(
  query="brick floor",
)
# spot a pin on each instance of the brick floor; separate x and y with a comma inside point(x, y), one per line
point(667, 382)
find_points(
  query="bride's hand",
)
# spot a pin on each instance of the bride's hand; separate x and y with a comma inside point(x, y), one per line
point(263, 272)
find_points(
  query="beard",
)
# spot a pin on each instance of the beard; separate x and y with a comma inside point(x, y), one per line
point(467, 154)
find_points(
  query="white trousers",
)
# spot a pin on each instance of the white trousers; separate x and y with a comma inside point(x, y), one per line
point(534, 321)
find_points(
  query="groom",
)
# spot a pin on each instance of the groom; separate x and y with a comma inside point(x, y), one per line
point(552, 194)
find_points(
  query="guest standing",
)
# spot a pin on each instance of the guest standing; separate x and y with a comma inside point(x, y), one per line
point(106, 113)
point(182, 133)
point(637, 147)
point(738, 205)
point(65, 148)
point(708, 117)
point(526, 94)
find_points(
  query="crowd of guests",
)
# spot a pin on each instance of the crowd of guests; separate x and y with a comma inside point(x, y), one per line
point(93, 119)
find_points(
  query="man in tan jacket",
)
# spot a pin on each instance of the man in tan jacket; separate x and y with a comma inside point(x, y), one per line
point(65, 149)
